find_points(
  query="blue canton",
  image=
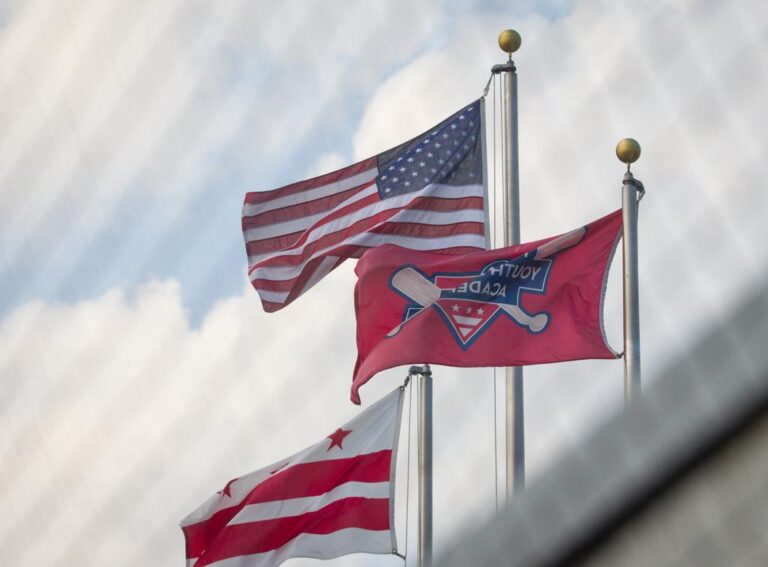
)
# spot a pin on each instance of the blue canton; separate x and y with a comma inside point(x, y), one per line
point(449, 154)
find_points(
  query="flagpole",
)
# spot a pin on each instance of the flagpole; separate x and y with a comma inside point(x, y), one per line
point(509, 42)
point(628, 151)
point(425, 464)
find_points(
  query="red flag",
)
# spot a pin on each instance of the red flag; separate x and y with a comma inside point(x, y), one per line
point(426, 194)
point(333, 498)
point(529, 304)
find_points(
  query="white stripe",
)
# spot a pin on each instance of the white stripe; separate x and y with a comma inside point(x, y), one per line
point(467, 320)
point(290, 227)
point(322, 270)
point(441, 218)
point(401, 201)
point(296, 225)
point(299, 506)
point(250, 209)
point(280, 273)
point(326, 546)
point(426, 217)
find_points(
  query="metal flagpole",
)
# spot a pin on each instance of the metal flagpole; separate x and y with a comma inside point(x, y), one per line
point(509, 42)
point(628, 151)
point(425, 464)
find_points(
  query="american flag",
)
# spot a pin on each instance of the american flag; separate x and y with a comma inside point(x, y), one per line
point(333, 498)
point(426, 194)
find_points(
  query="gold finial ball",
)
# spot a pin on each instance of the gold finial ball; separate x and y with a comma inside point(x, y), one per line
point(509, 41)
point(628, 150)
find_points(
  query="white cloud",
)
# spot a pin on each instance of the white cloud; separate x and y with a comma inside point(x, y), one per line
point(327, 163)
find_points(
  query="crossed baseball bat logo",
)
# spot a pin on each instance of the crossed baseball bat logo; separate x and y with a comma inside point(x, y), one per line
point(414, 285)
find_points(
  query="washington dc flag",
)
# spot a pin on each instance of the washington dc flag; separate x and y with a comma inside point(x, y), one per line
point(333, 498)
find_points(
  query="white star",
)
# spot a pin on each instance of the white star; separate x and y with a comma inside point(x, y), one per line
point(437, 145)
point(469, 311)
point(453, 126)
point(441, 161)
point(418, 150)
point(387, 190)
point(394, 179)
point(407, 183)
point(461, 117)
point(422, 164)
point(414, 173)
point(445, 135)
point(391, 167)
point(471, 123)
point(426, 179)
point(410, 159)
point(402, 169)
point(480, 311)
point(430, 154)
point(433, 170)
point(383, 177)
point(455, 307)
point(400, 158)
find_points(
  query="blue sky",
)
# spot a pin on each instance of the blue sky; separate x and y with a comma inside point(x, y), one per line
point(138, 368)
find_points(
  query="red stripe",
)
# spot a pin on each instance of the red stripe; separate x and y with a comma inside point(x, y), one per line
point(331, 216)
point(417, 230)
point(456, 250)
point(307, 184)
point(301, 210)
point(361, 226)
point(301, 480)
point(426, 203)
point(266, 535)
point(294, 240)
point(255, 247)
point(411, 230)
point(338, 237)
point(271, 306)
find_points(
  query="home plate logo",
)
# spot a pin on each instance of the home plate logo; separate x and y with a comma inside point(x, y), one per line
point(466, 317)
point(470, 302)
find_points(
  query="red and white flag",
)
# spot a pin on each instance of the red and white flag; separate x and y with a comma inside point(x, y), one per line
point(533, 303)
point(426, 194)
point(333, 498)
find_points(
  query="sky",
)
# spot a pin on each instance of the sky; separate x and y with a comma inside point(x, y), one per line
point(138, 370)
